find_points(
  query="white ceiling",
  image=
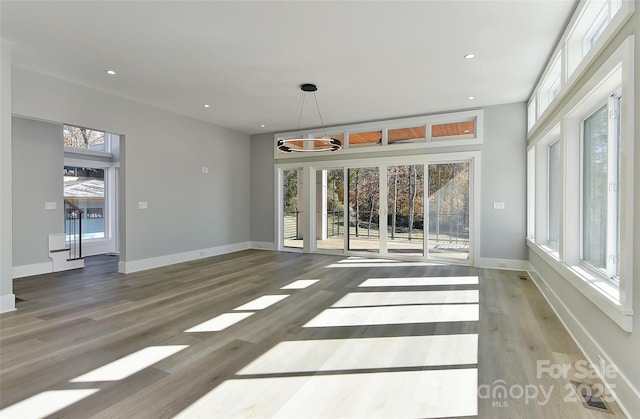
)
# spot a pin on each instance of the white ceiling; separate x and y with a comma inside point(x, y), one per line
point(370, 59)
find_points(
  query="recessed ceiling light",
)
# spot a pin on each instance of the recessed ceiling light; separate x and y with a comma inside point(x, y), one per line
point(469, 56)
point(471, 97)
point(110, 72)
point(206, 106)
point(262, 125)
point(466, 131)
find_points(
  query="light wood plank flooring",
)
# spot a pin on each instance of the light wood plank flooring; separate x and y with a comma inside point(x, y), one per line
point(260, 334)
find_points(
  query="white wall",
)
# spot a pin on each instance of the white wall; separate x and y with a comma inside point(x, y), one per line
point(7, 299)
point(592, 329)
point(38, 155)
point(190, 214)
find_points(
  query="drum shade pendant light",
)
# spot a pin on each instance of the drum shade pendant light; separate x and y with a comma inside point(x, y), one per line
point(300, 144)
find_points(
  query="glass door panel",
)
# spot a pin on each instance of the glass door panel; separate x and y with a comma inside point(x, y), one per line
point(84, 188)
point(330, 225)
point(364, 195)
point(292, 211)
point(448, 185)
point(405, 200)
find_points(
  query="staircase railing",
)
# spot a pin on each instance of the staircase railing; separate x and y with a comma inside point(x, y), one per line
point(73, 229)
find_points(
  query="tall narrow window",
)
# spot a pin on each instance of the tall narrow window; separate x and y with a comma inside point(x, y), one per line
point(554, 195)
point(292, 211)
point(531, 114)
point(330, 222)
point(531, 194)
point(600, 180)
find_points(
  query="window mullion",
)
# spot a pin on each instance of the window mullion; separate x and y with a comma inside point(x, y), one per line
point(612, 181)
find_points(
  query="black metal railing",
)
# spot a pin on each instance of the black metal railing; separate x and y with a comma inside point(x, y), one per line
point(292, 224)
point(73, 229)
point(335, 219)
point(293, 229)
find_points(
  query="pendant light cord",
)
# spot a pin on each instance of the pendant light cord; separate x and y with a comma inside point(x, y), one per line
point(300, 107)
point(324, 133)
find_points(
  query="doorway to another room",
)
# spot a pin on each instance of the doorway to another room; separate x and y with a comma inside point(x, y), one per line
point(90, 173)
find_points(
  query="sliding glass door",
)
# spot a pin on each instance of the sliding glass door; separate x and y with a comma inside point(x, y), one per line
point(448, 211)
point(419, 211)
point(405, 212)
point(330, 224)
point(363, 214)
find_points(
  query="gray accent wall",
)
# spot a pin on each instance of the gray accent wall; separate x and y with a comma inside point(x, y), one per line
point(504, 171)
point(38, 156)
point(7, 298)
point(162, 156)
point(262, 189)
point(503, 179)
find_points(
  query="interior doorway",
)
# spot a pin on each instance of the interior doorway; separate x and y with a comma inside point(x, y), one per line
point(91, 192)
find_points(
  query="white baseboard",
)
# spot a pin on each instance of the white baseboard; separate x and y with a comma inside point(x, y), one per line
point(34, 269)
point(7, 303)
point(627, 396)
point(160, 261)
point(506, 264)
point(263, 245)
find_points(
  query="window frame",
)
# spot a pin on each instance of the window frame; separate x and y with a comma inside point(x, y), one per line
point(615, 299)
point(554, 142)
point(531, 194)
point(570, 50)
point(553, 78)
point(610, 271)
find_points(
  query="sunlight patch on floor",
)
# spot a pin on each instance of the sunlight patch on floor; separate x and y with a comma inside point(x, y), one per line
point(362, 316)
point(219, 323)
point(263, 302)
point(432, 393)
point(360, 299)
point(130, 364)
point(372, 263)
point(420, 281)
point(45, 403)
point(355, 259)
point(366, 353)
point(300, 284)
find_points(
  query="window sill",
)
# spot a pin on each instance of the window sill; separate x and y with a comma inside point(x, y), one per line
point(597, 289)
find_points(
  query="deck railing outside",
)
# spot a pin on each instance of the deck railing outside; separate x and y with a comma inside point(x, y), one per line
point(73, 229)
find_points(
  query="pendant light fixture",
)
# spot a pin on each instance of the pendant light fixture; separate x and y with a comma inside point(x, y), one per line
point(301, 144)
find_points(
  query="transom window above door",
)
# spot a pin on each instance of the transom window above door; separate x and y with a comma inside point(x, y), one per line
point(442, 130)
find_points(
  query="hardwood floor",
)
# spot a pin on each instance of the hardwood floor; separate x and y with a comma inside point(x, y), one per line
point(260, 333)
